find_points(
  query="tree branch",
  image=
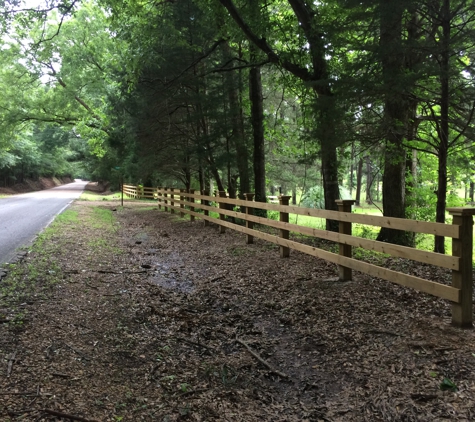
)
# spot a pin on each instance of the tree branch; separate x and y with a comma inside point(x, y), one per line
point(261, 43)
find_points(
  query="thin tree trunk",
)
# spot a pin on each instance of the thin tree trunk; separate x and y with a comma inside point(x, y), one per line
point(257, 120)
point(257, 116)
point(238, 136)
point(359, 177)
point(439, 244)
point(369, 180)
point(352, 168)
point(377, 187)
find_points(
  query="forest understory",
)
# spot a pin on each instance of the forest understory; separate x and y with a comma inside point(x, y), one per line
point(133, 314)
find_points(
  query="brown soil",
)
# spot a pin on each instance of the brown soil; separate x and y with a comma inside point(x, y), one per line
point(148, 317)
point(34, 185)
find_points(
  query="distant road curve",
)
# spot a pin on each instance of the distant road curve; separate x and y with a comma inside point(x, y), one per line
point(23, 216)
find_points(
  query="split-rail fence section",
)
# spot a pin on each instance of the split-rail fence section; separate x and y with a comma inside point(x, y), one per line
point(459, 293)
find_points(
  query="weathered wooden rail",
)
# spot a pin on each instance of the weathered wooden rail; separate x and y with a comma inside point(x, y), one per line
point(461, 231)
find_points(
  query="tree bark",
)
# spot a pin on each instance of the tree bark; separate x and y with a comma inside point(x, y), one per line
point(352, 167)
point(439, 244)
point(359, 177)
point(257, 112)
point(238, 136)
point(257, 120)
point(369, 180)
point(394, 120)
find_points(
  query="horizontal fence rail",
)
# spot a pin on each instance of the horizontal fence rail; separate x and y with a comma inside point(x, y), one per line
point(461, 231)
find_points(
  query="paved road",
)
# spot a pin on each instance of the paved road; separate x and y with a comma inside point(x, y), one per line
point(22, 217)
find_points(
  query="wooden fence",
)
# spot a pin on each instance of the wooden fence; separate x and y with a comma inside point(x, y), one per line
point(461, 232)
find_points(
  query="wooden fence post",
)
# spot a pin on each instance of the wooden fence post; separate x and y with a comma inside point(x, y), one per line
point(344, 205)
point(192, 208)
point(284, 218)
point(249, 224)
point(172, 202)
point(159, 199)
point(462, 313)
point(182, 205)
point(222, 194)
point(205, 202)
point(165, 199)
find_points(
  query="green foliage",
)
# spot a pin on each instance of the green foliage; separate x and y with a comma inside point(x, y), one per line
point(314, 198)
point(448, 385)
point(145, 87)
point(273, 215)
point(421, 203)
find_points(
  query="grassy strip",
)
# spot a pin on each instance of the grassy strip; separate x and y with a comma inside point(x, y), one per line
point(42, 269)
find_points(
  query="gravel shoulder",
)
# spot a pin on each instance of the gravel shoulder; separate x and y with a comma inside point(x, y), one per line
point(133, 314)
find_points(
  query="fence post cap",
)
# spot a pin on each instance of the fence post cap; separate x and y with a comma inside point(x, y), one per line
point(345, 201)
point(461, 211)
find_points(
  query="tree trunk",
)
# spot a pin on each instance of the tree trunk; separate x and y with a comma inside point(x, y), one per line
point(439, 244)
point(257, 115)
point(369, 180)
point(377, 187)
point(326, 122)
point(393, 195)
point(330, 182)
point(411, 183)
point(394, 120)
point(215, 173)
point(257, 120)
point(201, 178)
point(359, 177)
point(352, 168)
point(238, 136)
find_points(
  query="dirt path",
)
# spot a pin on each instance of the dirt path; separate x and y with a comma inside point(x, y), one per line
point(142, 316)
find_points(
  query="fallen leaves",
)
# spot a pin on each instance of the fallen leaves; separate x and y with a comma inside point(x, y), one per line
point(170, 320)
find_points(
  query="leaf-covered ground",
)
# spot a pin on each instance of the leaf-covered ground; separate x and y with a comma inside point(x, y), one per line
point(133, 314)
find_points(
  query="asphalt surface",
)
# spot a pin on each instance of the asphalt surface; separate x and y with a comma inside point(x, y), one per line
point(22, 217)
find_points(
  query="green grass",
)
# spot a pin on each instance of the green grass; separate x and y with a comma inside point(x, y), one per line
point(103, 219)
point(35, 279)
point(93, 196)
point(66, 217)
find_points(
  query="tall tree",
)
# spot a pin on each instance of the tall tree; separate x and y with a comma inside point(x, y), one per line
point(396, 93)
point(315, 71)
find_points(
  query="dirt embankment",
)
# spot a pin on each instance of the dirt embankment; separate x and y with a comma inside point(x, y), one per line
point(30, 185)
